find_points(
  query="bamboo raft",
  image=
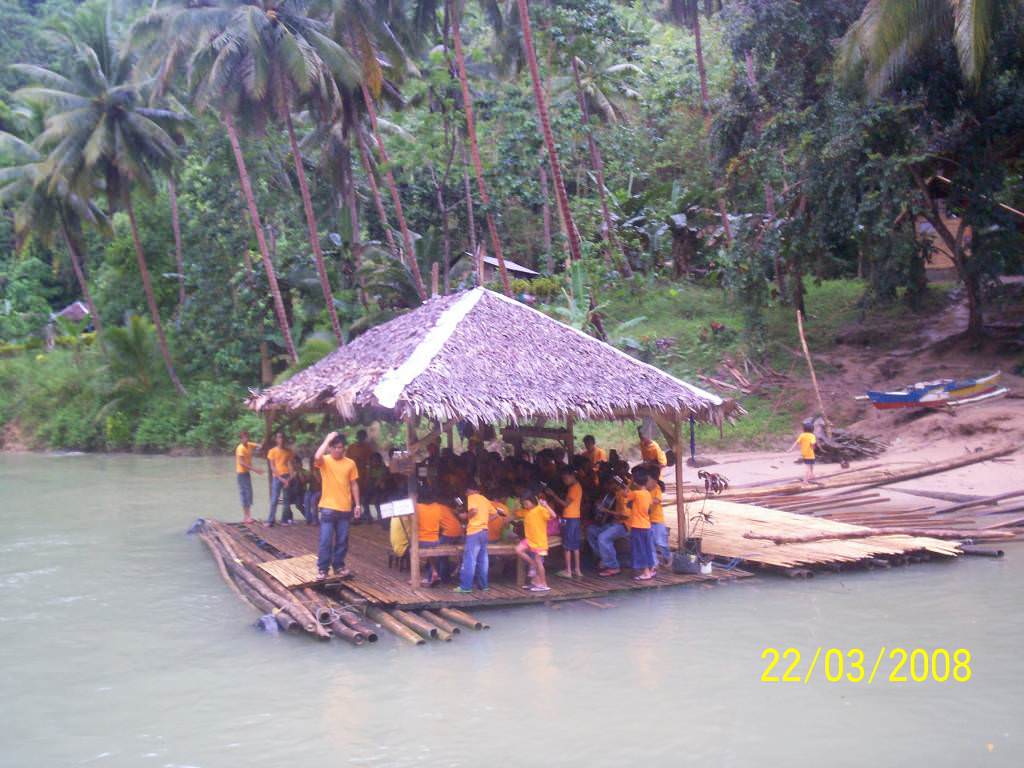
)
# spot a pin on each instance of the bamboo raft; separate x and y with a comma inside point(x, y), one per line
point(257, 563)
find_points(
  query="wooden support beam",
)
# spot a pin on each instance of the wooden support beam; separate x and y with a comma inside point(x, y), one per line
point(682, 529)
point(570, 424)
point(414, 539)
point(558, 434)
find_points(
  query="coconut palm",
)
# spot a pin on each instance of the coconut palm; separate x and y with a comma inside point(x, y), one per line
point(889, 34)
point(549, 139)
point(99, 133)
point(268, 59)
point(45, 213)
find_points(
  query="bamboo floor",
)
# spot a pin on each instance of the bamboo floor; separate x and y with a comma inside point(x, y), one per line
point(388, 587)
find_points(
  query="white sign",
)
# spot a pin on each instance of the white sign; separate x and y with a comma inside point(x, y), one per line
point(400, 508)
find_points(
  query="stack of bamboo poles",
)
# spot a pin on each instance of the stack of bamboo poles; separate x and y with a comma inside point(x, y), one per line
point(343, 614)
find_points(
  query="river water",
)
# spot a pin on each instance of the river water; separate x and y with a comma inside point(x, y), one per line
point(121, 646)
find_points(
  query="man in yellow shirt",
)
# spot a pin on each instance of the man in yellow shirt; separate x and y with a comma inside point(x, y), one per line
point(571, 506)
point(479, 512)
point(279, 463)
point(806, 440)
point(650, 451)
point(243, 466)
point(339, 503)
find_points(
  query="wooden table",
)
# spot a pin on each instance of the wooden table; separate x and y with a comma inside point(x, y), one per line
point(494, 549)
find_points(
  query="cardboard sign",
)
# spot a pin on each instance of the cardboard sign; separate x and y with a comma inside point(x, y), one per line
point(400, 508)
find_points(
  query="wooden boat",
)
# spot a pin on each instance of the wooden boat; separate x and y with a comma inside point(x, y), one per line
point(934, 394)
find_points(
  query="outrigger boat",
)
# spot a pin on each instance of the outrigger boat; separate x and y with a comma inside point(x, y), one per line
point(939, 393)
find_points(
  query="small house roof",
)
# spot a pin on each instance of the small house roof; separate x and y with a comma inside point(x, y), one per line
point(484, 358)
point(511, 266)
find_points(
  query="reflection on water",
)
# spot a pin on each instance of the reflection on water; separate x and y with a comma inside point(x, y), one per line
point(122, 647)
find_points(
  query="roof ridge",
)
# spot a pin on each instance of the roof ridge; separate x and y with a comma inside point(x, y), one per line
point(391, 385)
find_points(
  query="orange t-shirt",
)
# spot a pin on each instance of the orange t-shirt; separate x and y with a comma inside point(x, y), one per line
point(535, 526)
point(336, 476)
point(806, 441)
point(450, 525)
point(280, 460)
point(496, 524)
point(657, 511)
point(480, 510)
point(575, 498)
point(652, 453)
point(639, 508)
point(596, 455)
point(429, 518)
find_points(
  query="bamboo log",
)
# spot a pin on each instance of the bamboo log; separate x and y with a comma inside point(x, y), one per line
point(931, 533)
point(317, 605)
point(393, 625)
point(463, 618)
point(442, 634)
point(346, 633)
point(422, 628)
point(218, 559)
point(440, 622)
point(810, 366)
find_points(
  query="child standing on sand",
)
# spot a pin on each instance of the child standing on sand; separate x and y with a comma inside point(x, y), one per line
point(806, 440)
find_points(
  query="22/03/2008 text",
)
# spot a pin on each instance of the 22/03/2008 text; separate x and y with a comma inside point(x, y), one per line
point(835, 665)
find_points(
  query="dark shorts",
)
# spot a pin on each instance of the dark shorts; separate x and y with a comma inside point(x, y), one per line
point(809, 461)
point(244, 488)
point(641, 543)
point(429, 544)
point(571, 534)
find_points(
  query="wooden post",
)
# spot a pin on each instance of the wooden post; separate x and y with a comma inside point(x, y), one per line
point(414, 537)
point(810, 367)
point(570, 443)
point(677, 445)
point(434, 279)
point(268, 442)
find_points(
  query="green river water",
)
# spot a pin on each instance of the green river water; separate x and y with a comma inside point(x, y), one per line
point(121, 646)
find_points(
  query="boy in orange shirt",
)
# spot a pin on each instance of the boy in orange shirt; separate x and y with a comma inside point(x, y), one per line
point(533, 547)
point(641, 542)
point(571, 507)
point(428, 514)
point(279, 461)
point(339, 504)
point(479, 512)
point(659, 531)
point(806, 440)
point(243, 466)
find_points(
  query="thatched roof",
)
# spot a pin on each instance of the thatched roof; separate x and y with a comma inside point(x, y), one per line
point(485, 358)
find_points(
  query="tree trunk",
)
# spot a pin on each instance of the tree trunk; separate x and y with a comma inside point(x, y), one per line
point(748, 58)
point(389, 178)
point(378, 201)
point(257, 225)
point(172, 194)
point(470, 220)
point(353, 217)
point(314, 235)
point(698, 45)
point(474, 149)
point(549, 258)
point(76, 264)
point(549, 139)
point(446, 243)
point(147, 287)
point(598, 164)
point(769, 204)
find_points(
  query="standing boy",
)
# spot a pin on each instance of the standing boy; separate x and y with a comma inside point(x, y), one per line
point(806, 440)
point(592, 452)
point(571, 506)
point(650, 451)
point(279, 463)
point(339, 502)
point(659, 531)
point(533, 547)
point(479, 512)
point(243, 466)
point(640, 540)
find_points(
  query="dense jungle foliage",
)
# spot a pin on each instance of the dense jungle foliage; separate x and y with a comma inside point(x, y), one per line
point(234, 186)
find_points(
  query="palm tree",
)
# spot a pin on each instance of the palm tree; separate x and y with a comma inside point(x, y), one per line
point(889, 34)
point(474, 149)
point(267, 59)
point(44, 214)
point(549, 139)
point(98, 133)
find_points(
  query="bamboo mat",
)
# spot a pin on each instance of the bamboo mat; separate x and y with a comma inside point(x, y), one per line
point(725, 536)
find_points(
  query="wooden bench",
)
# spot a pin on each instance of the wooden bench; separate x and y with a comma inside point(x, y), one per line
point(494, 549)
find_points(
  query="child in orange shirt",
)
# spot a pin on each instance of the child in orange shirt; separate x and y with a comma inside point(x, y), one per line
point(641, 541)
point(806, 440)
point(533, 547)
point(571, 506)
point(659, 531)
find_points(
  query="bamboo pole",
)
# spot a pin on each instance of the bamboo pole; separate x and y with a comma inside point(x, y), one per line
point(682, 529)
point(463, 618)
point(810, 367)
point(414, 539)
point(422, 628)
point(219, 560)
point(440, 622)
point(346, 633)
point(393, 625)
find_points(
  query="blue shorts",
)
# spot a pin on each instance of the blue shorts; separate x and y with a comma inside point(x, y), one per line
point(429, 544)
point(244, 489)
point(809, 461)
point(571, 534)
point(641, 546)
